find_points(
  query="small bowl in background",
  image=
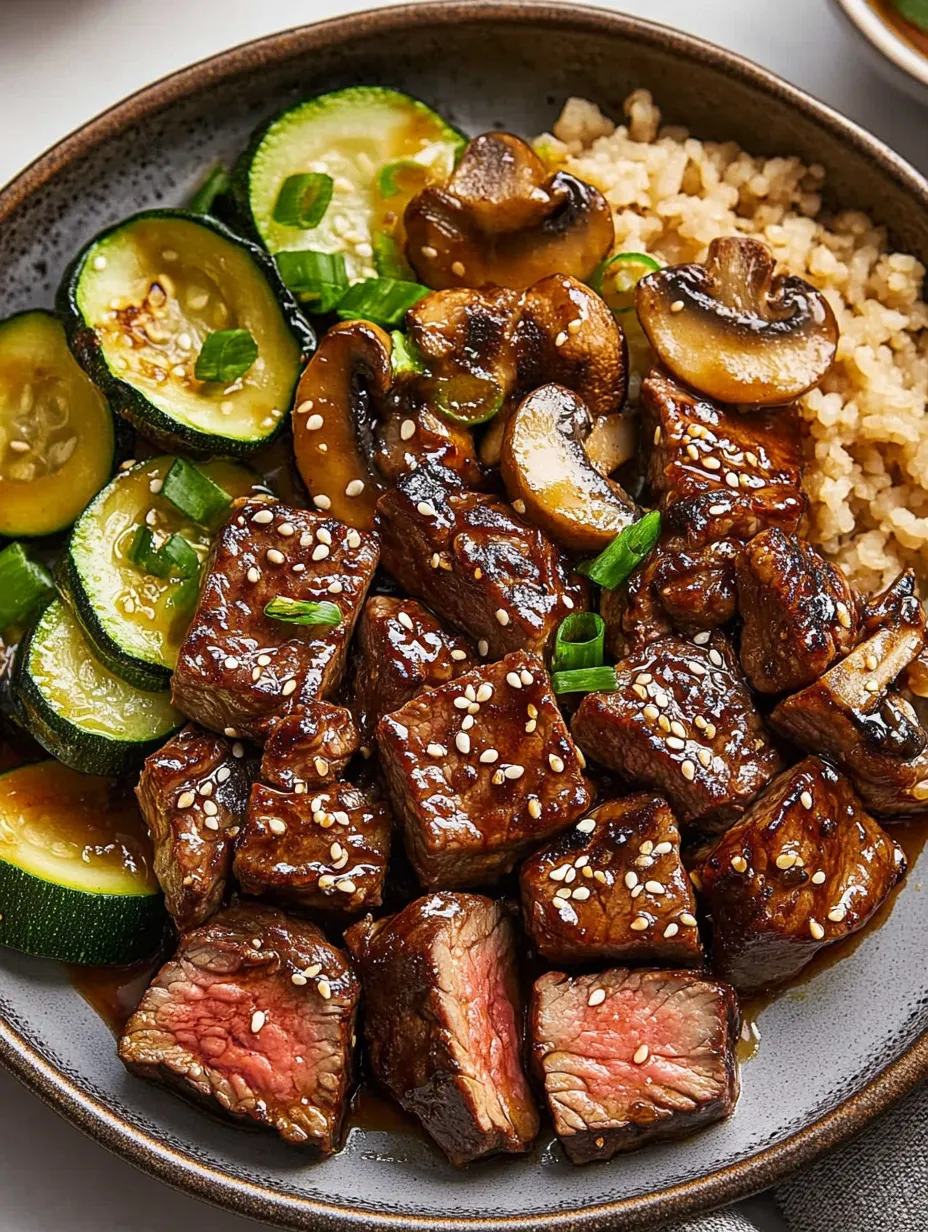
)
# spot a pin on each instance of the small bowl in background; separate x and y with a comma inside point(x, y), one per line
point(892, 54)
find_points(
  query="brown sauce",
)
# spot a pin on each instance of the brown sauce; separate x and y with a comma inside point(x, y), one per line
point(914, 35)
point(114, 992)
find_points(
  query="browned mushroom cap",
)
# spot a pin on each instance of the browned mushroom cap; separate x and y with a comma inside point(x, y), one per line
point(545, 466)
point(734, 331)
point(332, 420)
point(501, 218)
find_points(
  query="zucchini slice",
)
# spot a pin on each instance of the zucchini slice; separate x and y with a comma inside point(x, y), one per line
point(76, 877)
point(132, 618)
point(56, 430)
point(379, 148)
point(78, 711)
point(139, 303)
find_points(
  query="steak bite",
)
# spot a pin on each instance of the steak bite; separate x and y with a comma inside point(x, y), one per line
point(627, 1057)
point(309, 747)
point(238, 669)
point(481, 770)
point(476, 563)
point(682, 722)
point(254, 1015)
point(719, 473)
point(192, 793)
point(401, 649)
point(443, 1021)
point(613, 887)
point(799, 613)
point(327, 851)
point(805, 867)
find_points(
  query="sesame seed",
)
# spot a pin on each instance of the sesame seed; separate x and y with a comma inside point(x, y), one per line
point(346, 886)
point(253, 574)
point(639, 924)
point(806, 799)
point(646, 847)
point(436, 750)
point(581, 894)
point(426, 508)
point(483, 648)
point(407, 429)
point(223, 774)
point(674, 742)
point(715, 657)
point(276, 826)
point(559, 873)
point(657, 435)
point(654, 887)
point(531, 710)
point(263, 516)
point(405, 620)
point(739, 864)
point(484, 693)
point(230, 662)
point(326, 881)
point(816, 930)
point(712, 464)
point(561, 338)
point(298, 978)
point(514, 772)
point(258, 1019)
point(429, 252)
point(289, 687)
point(587, 826)
point(354, 539)
point(355, 487)
point(457, 268)
point(597, 996)
point(513, 680)
point(640, 691)
point(786, 860)
point(556, 763)
point(837, 914)
point(872, 686)
point(818, 878)
point(563, 892)
point(461, 703)
point(688, 770)
point(631, 880)
point(275, 557)
point(468, 721)
point(534, 808)
point(502, 616)
point(710, 731)
point(312, 971)
point(458, 655)
point(185, 799)
point(844, 615)
point(321, 765)
point(209, 808)
point(688, 919)
point(671, 930)
point(322, 501)
point(238, 750)
point(286, 529)
point(462, 742)
point(677, 305)
point(639, 889)
point(651, 712)
point(324, 988)
point(489, 756)
point(211, 823)
point(320, 551)
point(717, 510)
point(205, 789)
point(526, 676)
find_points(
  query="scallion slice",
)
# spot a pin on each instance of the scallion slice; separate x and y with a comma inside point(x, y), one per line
point(389, 181)
point(389, 259)
point(615, 280)
point(468, 399)
point(579, 642)
point(144, 554)
point(303, 200)
point(405, 358)
point(193, 493)
point(185, 594)
point(183, 559)
point(303, 611)
point(624, 554)
point(385, 301)
point(317, 278)
point(585, 680)
point(226, 355)
point(215, 184)
point(24, 585)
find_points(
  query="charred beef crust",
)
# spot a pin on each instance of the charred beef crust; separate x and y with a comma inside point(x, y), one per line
point(254, 1015)
point(443, 1021)
point(309, 747)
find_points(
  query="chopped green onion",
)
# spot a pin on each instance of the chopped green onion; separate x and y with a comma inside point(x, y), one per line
point(226, 355)
point(624, 554)
point(585, 680)
point(616, 279)
point(24, 585)
point(142, 552)
point(303, 200)
point(579, 642)
point(193, 493)
point(317, 278)
point(915, 11)
point(385, 301)
point(181, 556)
point(405, 358)
point(303, 611)
point(468, 399)
point(387, 184)
point(215, 185)
point(390, 260)
point(184, 596)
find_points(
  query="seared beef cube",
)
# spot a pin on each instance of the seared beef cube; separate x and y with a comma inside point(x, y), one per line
point(481, 770)
point(805, 867)
point(719, 473)
point(401, 649)
point(192, 793)
point(627, 1057)
point(476, 563)
point(682, 723)
point(327, 851)
point(239, 669)
point(614, 888)
point(255, 1016)
point(443, 1021)
point(799, 613)
point(310, 746)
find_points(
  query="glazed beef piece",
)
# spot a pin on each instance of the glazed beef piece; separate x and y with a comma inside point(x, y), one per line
point(413, 435)
point(805, 867)
point(327, 851)
point(613, 887)
point(682, 723)
point(309, 747)
point(255, 1016)
point(443, 1021)
point(799, 613)
point(401, 649)
point(192, 793)
point(627, 1057)
point(238, 669)
point(481, 770)
point(476, 563)
point(719, 473)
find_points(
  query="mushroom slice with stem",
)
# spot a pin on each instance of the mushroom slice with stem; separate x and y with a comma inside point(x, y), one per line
point(502, 218)
point(733, 330)
point(333, 420)
point(544, 465)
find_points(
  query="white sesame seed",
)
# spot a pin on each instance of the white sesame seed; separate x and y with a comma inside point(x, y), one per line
point(324, 988)
point(715, 657)
point(429, 252)
point(689, 920)
point(326, 881)
point(639, 924)
point(462, 742)
point(205, 789)
point(253, 574)
point(458, 655)
point(468, 721)
point(426, 508)
point(286, 529)
point(639, 889)
point(597, 996)
point(512, 679)
point(405, 620)
point(561, 338)
point(461, 703)
point(346, 886)
point(563, 892)
point(230, 662)
point(526, 676)
point(631, 880)
point(355, 487)
point(556, 763)
point(837, 914)
point(519, 506)
point(263, 516)
point(223, 774)
point(185, 799)
point(806, 799)
point(587, 826)
point(514, 772)
point(642, 1053)
point(739, 864)
point(275, 557)
point(489, 756)
point(209, 808)
point(654, 887)
point(872, 686)
point(688, 769)
point(674, 742)
point(816, 930)
point(502, 616)
point(238, 750)
point(651, 712)
point(276, 826)
point(322, 501)
point(844, 615)
point(663, 849)
point(534, 808)
point(483, 648)
point(320, 551)
point(407, 429)
point(786, 859)
point(298, 978)
point(289, 687)
point(581, 893)
point(818, 878)
point(258, 1019)
point(484, 693)
point(671, 930)
point(700, 639)
point(436, 750)
point(559, 873)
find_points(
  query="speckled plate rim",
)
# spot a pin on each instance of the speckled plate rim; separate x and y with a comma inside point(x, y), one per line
point(180, 1169)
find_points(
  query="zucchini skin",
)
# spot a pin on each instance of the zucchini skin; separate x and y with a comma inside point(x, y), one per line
point(168, 433)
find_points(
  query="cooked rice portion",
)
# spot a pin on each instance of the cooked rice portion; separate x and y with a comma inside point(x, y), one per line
point(672, 195)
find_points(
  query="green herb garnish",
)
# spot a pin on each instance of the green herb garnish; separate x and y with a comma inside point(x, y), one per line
point(405, 357)
point(317, 278)
point(579, 642)
point(303, 200)
point(25, 585)
point(390, 260)
point(303, 611)
point(385, 301)
point(194, 493)
point(226, 355)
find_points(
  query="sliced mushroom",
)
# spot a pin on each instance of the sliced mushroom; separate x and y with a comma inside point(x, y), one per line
point(733, 330)
point(545, 466)
point(502, 219)
point(413, 435)
point(333, 420)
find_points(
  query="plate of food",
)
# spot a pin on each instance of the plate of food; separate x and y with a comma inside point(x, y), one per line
point(464, 510)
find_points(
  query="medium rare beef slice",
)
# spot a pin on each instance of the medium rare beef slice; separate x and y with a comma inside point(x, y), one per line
point(481, 770)
point(309, 747)
point(682, 723)
point(799, 613)
point(476, 563)
point(192, 793)
point(613, 887)
point(805, 867)
point(254, 1015)
point(627, 1057)
point(326, 851)
point(238, 669)
point(719, 473)
point(443, 1021)
point(400, 650)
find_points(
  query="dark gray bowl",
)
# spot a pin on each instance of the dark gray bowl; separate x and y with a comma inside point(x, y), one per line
point(835, 1051)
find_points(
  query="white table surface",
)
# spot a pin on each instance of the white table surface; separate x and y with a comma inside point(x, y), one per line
point(61, 62)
